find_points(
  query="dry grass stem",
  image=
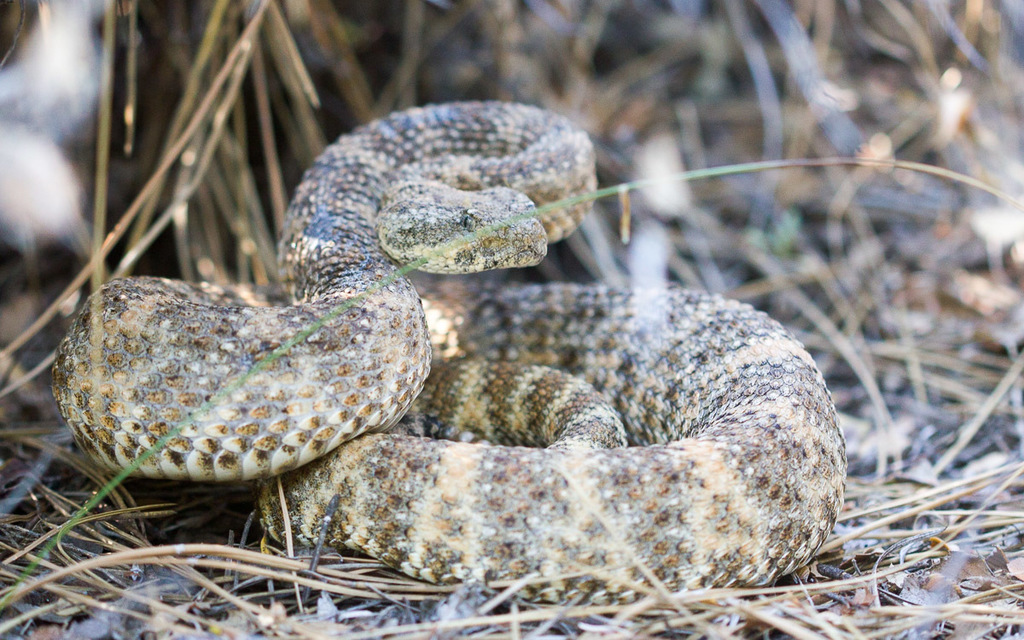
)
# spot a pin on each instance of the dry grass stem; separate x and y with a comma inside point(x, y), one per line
point(905, 286)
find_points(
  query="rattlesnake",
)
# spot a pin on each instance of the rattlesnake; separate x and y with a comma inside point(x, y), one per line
point(744, 486)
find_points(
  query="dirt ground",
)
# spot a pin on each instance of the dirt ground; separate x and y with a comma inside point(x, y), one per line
point(165, 138)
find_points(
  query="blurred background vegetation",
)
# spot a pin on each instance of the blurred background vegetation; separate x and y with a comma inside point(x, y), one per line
point(164, 138)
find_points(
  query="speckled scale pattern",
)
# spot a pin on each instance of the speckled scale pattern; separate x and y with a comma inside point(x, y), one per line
point(157, 360)
point(736, 475)
point(146, 353)
point(510, 403)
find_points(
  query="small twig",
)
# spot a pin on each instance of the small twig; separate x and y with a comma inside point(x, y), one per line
point(969, 430)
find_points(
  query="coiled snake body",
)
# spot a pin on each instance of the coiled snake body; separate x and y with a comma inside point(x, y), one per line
point(736, 466)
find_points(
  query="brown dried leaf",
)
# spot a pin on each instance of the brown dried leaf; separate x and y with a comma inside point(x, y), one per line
point(1016, 568)
point(862, 598)
point(983, 294)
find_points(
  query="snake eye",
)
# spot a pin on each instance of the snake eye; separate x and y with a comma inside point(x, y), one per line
point(468, 220)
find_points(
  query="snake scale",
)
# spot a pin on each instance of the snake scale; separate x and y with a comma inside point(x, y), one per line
point(735, 465)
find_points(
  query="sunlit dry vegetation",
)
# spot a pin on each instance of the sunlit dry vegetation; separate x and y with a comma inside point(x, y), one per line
point(165, 139)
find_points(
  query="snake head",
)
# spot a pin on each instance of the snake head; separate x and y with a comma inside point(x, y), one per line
point(459, 231)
